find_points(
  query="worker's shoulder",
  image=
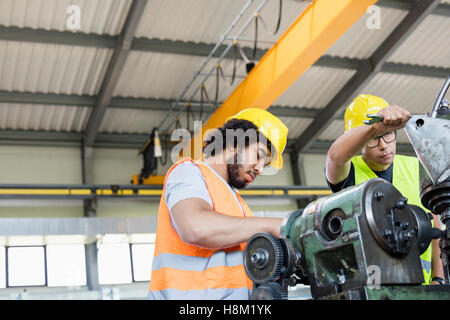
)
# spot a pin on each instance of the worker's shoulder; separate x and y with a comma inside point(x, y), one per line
point(184, 170)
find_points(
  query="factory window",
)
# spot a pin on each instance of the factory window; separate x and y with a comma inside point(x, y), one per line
point(142, 255)
point(2, 267)
point(114, 263)
point(66, 265)
point(26, 266)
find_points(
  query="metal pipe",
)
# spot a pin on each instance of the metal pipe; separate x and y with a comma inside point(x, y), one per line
point(231, 43)
point(252, 40)
point(225, 75)
point(222, 38)
point(222, 55)
point(193, 104)
point(440, 97)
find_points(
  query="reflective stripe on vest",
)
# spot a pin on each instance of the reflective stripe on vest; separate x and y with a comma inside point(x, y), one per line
point(189, 263)
point(184, 271)
point(405, 178)
point(208, 294)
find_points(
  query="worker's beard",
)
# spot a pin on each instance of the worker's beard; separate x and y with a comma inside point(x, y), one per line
point(234, 174)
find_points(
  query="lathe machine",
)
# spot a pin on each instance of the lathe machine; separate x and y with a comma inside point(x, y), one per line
point(365, 241)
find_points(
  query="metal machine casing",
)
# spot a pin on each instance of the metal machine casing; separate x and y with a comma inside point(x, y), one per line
point(342, 240)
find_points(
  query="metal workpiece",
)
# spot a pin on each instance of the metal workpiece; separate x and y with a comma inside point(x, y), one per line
point(430, 138)
point(440, 101)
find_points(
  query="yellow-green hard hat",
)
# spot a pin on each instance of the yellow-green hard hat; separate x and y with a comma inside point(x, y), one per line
point(271, 127)
point(360, 107)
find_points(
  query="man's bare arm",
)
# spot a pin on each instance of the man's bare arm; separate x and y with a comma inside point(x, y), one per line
point(198, 224)
point(351, 143)
point(437, 269)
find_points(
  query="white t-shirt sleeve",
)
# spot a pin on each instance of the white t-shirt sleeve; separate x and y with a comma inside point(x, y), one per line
point(185, 181)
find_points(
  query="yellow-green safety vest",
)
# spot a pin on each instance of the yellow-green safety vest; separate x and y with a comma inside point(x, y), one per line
point(405, 178)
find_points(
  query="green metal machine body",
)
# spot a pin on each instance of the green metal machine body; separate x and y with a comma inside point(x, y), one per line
point(359, 240)
point(344, 243)
point(347, 245)
point(361, 243)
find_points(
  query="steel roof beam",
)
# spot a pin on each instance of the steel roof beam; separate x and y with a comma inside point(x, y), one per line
point(145, 44)
point(192, 49)
point(126, 141)
point(366, 71)
point(133, 103)
point(442, 9)
point(114, 70)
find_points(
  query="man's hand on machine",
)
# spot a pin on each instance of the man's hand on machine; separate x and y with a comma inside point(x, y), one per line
point(391, 118)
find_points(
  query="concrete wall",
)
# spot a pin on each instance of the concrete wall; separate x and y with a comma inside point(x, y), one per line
point(40, 165)
point(314, 165)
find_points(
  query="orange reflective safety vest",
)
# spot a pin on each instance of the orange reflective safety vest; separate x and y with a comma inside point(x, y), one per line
point(183, 271)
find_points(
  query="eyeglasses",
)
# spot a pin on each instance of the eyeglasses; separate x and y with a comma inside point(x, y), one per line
point(388, 137)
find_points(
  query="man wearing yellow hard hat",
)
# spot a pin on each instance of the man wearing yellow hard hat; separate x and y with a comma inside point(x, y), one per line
point(376, 144)
point(203, 223)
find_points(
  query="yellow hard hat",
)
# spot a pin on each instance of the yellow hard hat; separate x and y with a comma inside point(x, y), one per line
point(271, 127)
point(360, 107)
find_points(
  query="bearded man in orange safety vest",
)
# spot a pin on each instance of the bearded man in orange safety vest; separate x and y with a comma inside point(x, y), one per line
point(203, 223)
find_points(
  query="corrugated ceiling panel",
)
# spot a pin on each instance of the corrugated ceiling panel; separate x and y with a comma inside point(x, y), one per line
point(360, 41)
point(315, 88)
point(134, 121)
point(333, 131)
point(165, 76)
point(296, 126)
point(43, 117)
point(226, 87)
point(416, 94)
point(206, 20)
point(156, 75)
point(48, 68)
point(99, 16)
point(429, 44)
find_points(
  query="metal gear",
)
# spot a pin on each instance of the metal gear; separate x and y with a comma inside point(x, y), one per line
point(264, 258)
point(269, 291)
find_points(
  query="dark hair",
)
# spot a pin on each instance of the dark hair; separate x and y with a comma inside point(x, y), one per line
point(229, 130)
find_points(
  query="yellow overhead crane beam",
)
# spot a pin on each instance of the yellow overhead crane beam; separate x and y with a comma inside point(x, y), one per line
point(304, 42)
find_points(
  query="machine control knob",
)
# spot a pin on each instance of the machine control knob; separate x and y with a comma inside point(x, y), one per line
point(260, 258)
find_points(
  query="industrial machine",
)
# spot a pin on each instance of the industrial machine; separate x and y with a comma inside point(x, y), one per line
point(365, 241)
point(151, 151)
